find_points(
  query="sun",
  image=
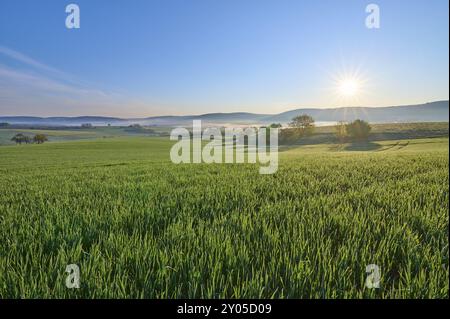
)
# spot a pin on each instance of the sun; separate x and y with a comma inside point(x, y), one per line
point(348, 87)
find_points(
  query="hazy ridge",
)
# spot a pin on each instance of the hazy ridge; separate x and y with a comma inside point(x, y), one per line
point(428, 112)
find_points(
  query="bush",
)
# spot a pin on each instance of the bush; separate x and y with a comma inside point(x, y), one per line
point(341, 132)
point(40, 138)
point(20, 138)
point(301, 125)
point(358, 130)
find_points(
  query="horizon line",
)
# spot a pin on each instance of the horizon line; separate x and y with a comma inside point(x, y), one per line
point(242, 112)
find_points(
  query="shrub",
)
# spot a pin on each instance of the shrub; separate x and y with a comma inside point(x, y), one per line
point(20, 138)
point(358, 130)
point(341, 131)
point(40, 138)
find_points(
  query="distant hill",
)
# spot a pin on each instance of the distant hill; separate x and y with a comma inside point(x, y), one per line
point(428, 112)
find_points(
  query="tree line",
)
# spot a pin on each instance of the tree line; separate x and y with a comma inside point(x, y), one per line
point(304, 125)
point(25, 139)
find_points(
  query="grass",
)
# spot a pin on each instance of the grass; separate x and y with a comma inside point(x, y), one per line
point(141, 227)
point(383, 132)
point(75, 134)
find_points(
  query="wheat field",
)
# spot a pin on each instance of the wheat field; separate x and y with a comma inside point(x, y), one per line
point(139, 226)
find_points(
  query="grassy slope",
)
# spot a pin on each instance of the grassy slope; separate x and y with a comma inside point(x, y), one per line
point(140, 226)
point(73, 134)
point(322, 135)
point(383, 132)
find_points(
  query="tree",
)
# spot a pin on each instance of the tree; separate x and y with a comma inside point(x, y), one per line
point(275, 125)
point(4, 124)
point(341, 131)
point(20, 138)
point(303, 121)
point(358, 129)
point(86, 125)
point(40, 138)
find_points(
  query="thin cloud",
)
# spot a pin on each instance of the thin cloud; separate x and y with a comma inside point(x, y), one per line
point(38, 89)
point(29, 61)
point(44, 70)
point(28, 88)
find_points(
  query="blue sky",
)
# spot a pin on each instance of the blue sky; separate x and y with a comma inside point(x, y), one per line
point(146, 57)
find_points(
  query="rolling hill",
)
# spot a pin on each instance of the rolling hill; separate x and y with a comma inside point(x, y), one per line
point(429, 112)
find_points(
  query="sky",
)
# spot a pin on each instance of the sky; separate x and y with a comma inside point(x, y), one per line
point(171, 57)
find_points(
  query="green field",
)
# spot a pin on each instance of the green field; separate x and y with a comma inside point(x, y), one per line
point(76, 133)
point(322, 134)
point(141, 227)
